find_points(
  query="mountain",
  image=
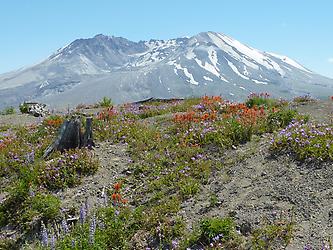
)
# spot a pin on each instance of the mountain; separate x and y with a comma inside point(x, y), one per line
point(208, 63)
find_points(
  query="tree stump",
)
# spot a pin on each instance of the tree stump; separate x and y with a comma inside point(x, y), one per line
point(70, 136)
point(87, 140)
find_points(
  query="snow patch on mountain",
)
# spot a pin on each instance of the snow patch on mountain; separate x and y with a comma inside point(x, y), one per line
point(208, 67)
point(256, 81)
point(245, 72)
point(190, 76)
point(207, 78)
point(212, 55)
point(252, 53)
point(157, 51)
point(249, 56)
point(234, 68)
point(44, 84)
point(230, 51)
point(289, 61)
point(178, 67)
point(190, 55)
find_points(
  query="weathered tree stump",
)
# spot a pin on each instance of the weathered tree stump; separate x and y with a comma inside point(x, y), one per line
point(70, 136)
point(87, 140)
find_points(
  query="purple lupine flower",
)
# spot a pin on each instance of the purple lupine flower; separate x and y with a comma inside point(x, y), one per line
point(64, 226)
point(45, 238)
point(175, 244)
point(74, 157)
point(325, 247)
point(82, 214)
point(199, 156)
point(30, 157)
point(217, 237)
point(52, 242)
point(31, 192)
point(92, 230)
point(73, 243)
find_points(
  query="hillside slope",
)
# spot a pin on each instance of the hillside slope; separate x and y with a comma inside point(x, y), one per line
point(180, 166)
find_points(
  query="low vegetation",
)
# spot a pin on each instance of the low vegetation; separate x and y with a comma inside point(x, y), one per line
point(8, 111)
point(172, 147)
point(303, 99)
point(106, 102)
point(306, 141)
point(24, 108)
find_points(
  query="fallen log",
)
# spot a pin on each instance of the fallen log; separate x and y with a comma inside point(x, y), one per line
point(153, 99)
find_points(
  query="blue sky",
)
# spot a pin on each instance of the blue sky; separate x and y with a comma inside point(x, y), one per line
point(303, 30)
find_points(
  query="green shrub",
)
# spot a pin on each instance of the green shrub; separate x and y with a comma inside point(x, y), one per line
point(260, 100)
point(212, 233)
point(272, 234)
point(38, 207)
point(8, 244)
point(24, 108)
point(280, 119)
point(237, 132)
point(8, 111)
point(66, 169)
point(118, 229)
point(189, 187)
point(306, 141)
point(106, 102)
point(212, 227)
point(303, 99)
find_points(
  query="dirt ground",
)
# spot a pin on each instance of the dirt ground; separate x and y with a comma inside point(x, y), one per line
point(321, 111)
point(114, 162)
point(19, 119)
point(254, 187)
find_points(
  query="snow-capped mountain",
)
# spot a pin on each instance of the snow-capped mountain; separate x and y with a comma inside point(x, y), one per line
point(208, 63)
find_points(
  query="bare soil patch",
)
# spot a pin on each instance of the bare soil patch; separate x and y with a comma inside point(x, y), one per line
point(113, 166)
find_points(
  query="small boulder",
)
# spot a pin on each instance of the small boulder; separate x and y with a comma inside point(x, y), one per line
point(34, 108)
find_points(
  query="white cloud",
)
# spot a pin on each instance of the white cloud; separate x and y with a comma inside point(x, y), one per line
point(330, 60)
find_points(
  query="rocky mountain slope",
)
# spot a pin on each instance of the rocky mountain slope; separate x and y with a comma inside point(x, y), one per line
point(207, 63)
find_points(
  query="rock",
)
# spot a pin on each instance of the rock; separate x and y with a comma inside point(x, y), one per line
point(36, 109)
point(330, 214)
point(245, 228)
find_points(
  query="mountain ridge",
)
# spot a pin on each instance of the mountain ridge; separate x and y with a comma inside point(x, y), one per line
point(206, 63)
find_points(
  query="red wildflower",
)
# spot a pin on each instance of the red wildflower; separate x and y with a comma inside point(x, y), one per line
point(118, 197)
point(114, 196)
point(117, 186)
